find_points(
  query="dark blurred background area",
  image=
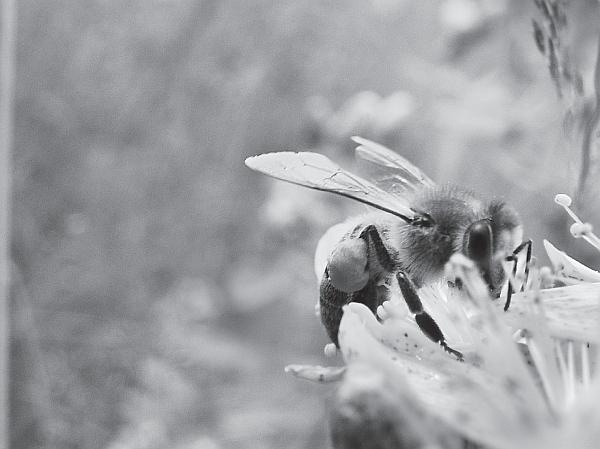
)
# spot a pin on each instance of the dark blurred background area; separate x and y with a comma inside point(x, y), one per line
point(159, 286)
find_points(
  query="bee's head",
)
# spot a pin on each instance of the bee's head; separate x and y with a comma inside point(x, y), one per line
point(451, 220)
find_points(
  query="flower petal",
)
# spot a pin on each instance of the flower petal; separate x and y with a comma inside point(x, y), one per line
point(316, 373)
point(568, 267)
point(572, 312)
point(487, 409)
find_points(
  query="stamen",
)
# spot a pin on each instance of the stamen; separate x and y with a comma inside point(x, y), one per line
point(564, 373)
point(585, 364)
point(533, 280)
point(546, 277)
point(520, 336)
point(593, 240)
point(571, 367)
point(579, 229)
point(565, 201)
point(463, 268)
point(547, 373)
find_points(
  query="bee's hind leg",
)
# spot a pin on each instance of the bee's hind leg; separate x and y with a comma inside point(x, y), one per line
point(425, 322)
point(514, 259)
point(371, 236)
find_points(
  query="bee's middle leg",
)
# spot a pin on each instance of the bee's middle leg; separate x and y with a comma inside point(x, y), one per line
point(425, 322)
point(409, 291)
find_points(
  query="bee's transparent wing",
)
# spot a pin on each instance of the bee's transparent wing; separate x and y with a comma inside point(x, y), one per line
point(389, 170)
point(318, 172)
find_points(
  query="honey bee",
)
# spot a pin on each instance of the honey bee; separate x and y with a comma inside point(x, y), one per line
point(408, 241)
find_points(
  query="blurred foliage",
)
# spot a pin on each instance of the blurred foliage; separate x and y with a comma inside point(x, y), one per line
point(160, 286)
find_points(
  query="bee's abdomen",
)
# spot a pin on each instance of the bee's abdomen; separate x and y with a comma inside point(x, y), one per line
point(331, 301)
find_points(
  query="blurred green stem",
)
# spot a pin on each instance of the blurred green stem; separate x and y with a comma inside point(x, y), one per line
point(590, 126)
point(7, 78)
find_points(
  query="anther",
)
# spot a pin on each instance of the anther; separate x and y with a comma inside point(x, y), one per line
point(563, 199)
point(578, 230)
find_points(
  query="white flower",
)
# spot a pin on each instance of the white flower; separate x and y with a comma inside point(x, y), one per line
point(529, 379)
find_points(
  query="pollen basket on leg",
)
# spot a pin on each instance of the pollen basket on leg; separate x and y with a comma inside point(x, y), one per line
point(347, 265)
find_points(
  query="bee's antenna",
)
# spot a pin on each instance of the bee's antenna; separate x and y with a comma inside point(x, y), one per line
point(389, 211)
point(399, 215)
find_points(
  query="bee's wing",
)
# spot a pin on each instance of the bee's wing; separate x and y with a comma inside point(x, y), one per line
point(318, 172)
point(389, 170)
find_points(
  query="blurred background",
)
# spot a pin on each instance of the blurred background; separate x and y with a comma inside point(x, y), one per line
point(160, 286)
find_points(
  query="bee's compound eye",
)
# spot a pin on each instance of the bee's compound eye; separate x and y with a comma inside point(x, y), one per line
point(347, 265)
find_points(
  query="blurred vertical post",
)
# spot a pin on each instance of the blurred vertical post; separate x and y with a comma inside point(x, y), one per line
point(7, 78)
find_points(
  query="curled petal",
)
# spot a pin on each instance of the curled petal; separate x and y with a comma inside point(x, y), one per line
point(315, 373)
point(568, 267)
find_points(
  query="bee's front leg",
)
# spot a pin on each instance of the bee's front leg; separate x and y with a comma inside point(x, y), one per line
point(425, 322)
point(514, 259)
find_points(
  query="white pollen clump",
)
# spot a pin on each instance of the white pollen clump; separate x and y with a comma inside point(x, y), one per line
point(347, 265)
point(546, 277)
point(330, 350)
point(545, 272)
point(563, 199)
